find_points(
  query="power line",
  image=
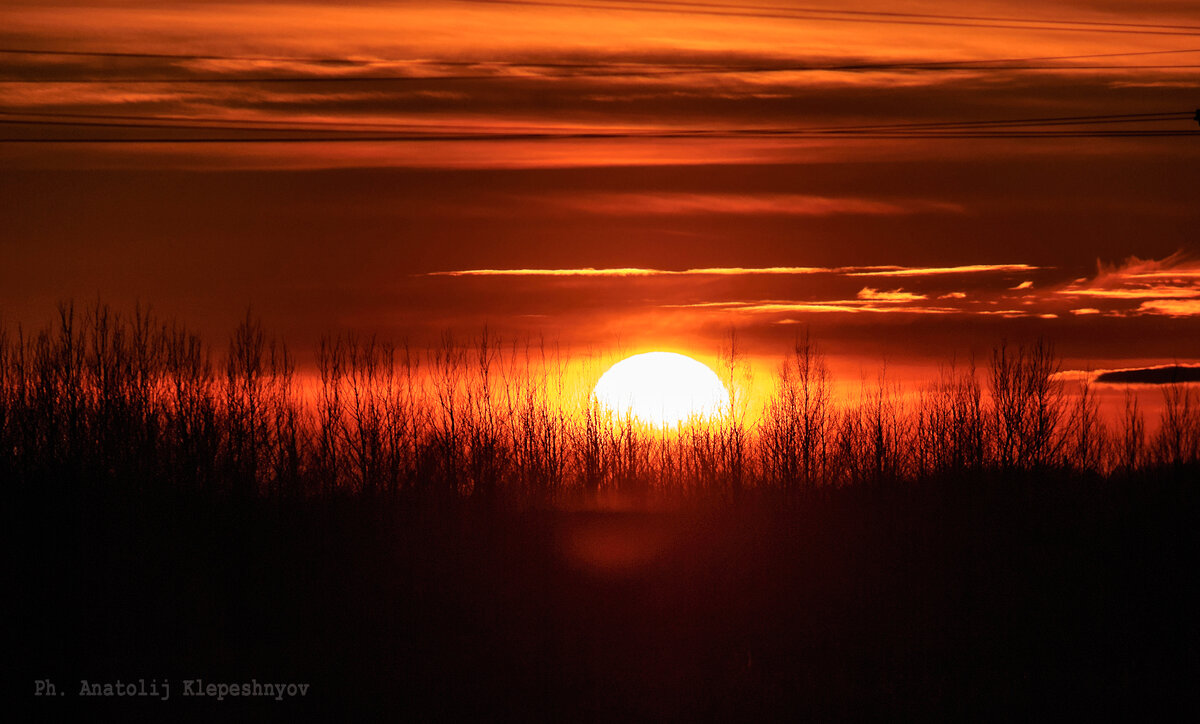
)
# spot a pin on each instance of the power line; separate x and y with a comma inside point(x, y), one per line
point(163, 126)
point(881, 13)
point(181, 56)
point(616, 74)
point(348, 60)
point(343, 138)
point(192, 141)
point(832, 16)
point(352, 127)
point(192, 119)
point(616, 70)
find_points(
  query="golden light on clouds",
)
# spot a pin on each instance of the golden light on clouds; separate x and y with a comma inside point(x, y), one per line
point(565, 167)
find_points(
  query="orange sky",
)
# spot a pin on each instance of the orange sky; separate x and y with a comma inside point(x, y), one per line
point(359, 166)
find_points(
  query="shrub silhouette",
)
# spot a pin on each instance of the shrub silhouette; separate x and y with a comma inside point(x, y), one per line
point(104, 398)
point(796, 426)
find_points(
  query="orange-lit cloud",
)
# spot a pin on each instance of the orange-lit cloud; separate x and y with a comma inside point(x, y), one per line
point(884, 304)
point(844, 307)
point(896, 295)
point(584, 272)
point(742, 271)
point(1162, 289)
point(405, 167)
point(926, 271)
point(1168, 286)
point(1171, 307)
point(782, 204)
point(1136, 292)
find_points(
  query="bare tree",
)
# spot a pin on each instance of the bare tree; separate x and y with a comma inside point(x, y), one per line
point(1177, 442)
point(1131, 447)
point(794, 431)
point(1027, 404)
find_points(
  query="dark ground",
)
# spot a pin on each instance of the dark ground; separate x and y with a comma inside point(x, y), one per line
point(970, 600)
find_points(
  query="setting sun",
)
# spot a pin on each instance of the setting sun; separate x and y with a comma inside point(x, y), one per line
point(602, 359)
point(662, 388)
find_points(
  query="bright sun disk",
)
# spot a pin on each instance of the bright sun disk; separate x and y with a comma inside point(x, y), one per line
point(662, 388)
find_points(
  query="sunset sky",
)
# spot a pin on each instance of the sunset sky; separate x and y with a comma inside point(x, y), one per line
point(635, 174)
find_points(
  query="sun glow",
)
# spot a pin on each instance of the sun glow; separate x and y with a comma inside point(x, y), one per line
point(662, 388)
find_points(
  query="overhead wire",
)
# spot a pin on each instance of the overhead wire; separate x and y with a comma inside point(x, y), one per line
point(884, 13)
point(958, 132)
point(843, 16)
point(266, 125)
point(362, 131)
point(615, 74)
point(573, 70)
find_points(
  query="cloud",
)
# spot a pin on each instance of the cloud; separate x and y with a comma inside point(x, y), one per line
point(1168, 286)
point(777, 204)
point(842, 306)
point(896, 295)
point(583, 272)
point(544, 67)
point(884, 304)
point(931, 271)
point(1137, 292)
point(738, 271)
point(853, 271)
point(1171, 307)
point(819, 307)
point(1157, 375)
point(1175, 265)
point(632, 272)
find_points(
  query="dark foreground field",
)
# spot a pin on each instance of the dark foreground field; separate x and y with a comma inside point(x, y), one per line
point(966, 600)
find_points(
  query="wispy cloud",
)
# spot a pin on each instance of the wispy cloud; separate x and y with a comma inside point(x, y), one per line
point(931, 271)
point(751, 271)
point(772, 204)
point(853, 271)
point(882, 305)
point(896, 295)
point(1169, 286)
point(843, 307)
point(582, 272)
point(1137, 292)
point(633, 272)
point(1007, 313)
point(1164, 287)
point(1171, 307)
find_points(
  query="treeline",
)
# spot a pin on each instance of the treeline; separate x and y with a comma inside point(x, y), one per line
point(101, 398)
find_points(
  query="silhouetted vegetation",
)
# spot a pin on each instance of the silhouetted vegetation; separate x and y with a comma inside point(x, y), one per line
point(126, 400)
point(984, 547)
